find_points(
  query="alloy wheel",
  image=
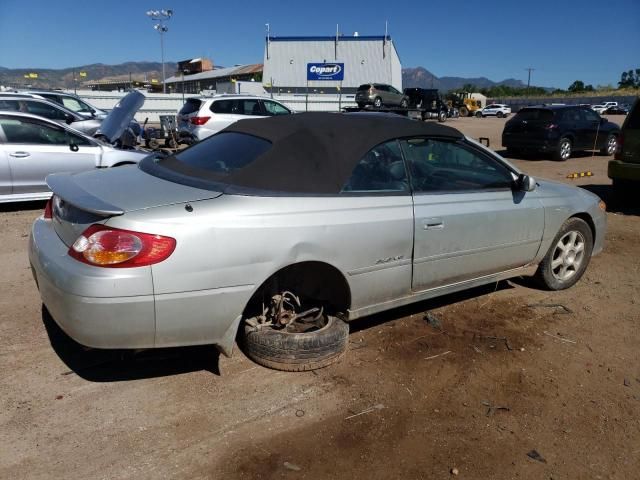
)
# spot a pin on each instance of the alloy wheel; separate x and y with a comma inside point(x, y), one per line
point(568, 255)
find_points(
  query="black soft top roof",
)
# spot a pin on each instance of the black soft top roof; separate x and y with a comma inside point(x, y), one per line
point(315, 153)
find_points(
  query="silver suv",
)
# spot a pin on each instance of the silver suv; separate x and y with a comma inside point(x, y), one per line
point(379, 94)
point(67, 100)
point(201, 117)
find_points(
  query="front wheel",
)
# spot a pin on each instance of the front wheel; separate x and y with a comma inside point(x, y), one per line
point(464, 111)
point(404, 103)
point(563, 151)
point(295, 350)
point(610, 145)
point(499, 114)
point(442, 116)
point(479, 114)
point(377, 102)
point(568, 256)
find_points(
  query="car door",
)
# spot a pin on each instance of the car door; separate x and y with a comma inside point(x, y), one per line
point(5, 172)
point(274, 108)
point(469, 223)
point(377, 216)
point(35, 149)
point(395, 97)
point(591, 122)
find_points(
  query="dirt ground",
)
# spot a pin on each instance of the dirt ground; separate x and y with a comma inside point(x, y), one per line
point(501, 382)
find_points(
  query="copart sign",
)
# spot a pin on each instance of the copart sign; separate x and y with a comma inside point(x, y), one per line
point(325, 71)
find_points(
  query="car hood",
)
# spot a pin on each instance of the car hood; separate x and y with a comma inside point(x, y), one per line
point(118, 119)
point(115, 191)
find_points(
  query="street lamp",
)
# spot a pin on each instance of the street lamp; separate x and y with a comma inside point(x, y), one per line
point(161, 16)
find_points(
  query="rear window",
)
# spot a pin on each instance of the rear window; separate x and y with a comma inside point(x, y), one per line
point(192, 105)
point(223, 153)
point(633, 119)
point(364, 87)
point(535, 114)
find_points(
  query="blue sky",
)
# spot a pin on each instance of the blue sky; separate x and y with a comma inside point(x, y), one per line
point(564, 40)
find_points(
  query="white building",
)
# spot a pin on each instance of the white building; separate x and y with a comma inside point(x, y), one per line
point(329, 64)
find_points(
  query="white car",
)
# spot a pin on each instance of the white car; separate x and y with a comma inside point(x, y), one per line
point(498, 109)
point(602, 107)
point(32, 147)
point(201, 117)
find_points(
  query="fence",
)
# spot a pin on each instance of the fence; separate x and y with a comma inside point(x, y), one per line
point(169, 104)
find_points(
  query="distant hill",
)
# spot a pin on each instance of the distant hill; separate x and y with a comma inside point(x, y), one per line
point(421, 77)
point(63, 78)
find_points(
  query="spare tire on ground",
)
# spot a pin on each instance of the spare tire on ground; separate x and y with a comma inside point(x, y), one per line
point(297, 352)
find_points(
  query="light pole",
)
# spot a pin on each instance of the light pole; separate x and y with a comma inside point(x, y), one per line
point(161, 16)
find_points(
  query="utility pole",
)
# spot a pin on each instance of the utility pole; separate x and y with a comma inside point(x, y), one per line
point(161, 16)
point(529, 69)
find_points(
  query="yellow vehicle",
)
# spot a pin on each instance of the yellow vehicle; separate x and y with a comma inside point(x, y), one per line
point(466, 105)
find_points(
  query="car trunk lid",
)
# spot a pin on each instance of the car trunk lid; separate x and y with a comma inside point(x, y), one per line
point(83, 199)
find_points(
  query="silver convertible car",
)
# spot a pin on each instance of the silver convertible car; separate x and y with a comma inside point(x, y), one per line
point(279, 231)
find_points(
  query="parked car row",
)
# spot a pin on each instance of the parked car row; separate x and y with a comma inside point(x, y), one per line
point(39, 137)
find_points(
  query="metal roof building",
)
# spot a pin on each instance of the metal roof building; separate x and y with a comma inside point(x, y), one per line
point(295, 64)
point(208, 80)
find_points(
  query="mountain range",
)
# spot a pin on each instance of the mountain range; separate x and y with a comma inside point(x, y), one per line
point(421, 77)
point(63, 78)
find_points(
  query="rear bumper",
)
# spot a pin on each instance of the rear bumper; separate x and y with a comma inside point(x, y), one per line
point(619, 170)
point(117, 308)
point(195, 132)
point(106, 318)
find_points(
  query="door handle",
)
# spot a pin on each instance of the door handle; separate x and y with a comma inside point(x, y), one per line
point(432, 224)
point(19, 154)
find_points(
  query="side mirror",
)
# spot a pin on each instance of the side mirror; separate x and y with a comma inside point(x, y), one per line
point(526, 183)
point(73, 147)
point(68, 118)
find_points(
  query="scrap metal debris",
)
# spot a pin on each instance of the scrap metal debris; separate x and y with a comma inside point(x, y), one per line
point(433, 321)
point(533, 454)
point(292, 466)
point(379, 406)
point(559, 338)
point(438, 355)
point(491, 409)
point(561, 309)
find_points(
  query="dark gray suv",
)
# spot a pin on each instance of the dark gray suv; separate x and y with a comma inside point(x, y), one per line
point(379, 94)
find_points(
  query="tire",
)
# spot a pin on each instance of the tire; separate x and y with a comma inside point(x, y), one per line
point(442, 117)
point(297, 352)
point(499, 114)
point(152, 143)
point(377, 102)
point(170, 143)
point(563, 150)
point(562, 267)
point(479, 114)
point(404, 103)
point(464, 111)
point(513, 152)
point(610, 146)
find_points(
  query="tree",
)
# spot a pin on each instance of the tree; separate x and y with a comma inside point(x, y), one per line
point(577, 86)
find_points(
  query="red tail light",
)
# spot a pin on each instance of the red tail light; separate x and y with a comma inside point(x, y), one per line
point(111, 247)
point(48, 209)
point(618, 154)
point(199, 120)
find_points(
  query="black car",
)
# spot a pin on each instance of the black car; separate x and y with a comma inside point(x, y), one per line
point(559, 130)
point(617, 110)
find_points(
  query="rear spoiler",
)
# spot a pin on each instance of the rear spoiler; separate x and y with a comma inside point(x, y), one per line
point(63, 186)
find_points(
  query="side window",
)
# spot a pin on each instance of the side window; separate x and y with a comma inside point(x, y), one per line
point(589, 115)
point(274, 108)
point(250, 107)
point(9, 105)
point(441, 166)
point(381, 170)
point(222, 106)
point(393, 90)
point(72, 104)
point(29, 131)
point(44, 110)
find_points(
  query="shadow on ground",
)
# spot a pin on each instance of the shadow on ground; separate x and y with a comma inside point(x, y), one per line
point(426, 305)
point(37, 206)
point(98, 365)
point(626, 205)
